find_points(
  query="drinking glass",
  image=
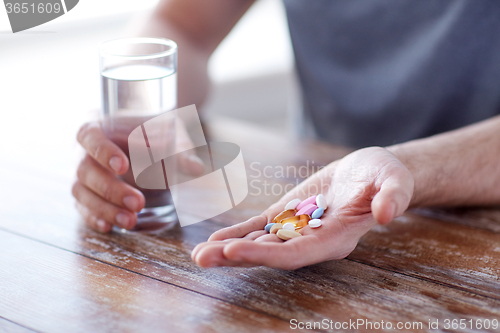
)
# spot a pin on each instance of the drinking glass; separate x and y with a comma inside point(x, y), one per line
point(139, 82)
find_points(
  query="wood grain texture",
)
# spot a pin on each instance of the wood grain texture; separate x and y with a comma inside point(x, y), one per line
point(58, 291)
point(337, 291)
point(445, 252)
point(415, 269)
point(485, 218)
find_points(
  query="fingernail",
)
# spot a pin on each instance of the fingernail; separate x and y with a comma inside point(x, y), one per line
point(122, 220)
point(195, 159)
point(101, 225)
point(131, 203)
point(115, 163)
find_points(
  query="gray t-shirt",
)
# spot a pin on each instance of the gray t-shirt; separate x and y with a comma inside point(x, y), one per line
point(379, 72)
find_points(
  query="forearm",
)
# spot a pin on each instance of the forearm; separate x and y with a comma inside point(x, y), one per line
point(457, 168)
point(193, 81)
point(198, 26)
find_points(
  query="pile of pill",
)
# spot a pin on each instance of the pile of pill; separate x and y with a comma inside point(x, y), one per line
point(297, 214)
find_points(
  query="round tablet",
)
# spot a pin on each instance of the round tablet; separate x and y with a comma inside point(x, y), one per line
point(289, 226)
point(315, 223)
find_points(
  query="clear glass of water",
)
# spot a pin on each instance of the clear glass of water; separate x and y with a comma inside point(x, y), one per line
point(139, 82)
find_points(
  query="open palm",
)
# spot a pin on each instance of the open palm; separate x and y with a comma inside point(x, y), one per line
point(367, 186)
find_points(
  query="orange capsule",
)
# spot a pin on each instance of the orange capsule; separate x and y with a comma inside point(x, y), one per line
point(299, 221)
point(283, 215)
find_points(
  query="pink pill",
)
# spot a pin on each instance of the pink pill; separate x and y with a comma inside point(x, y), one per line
point(311, 200)
point(307, 210)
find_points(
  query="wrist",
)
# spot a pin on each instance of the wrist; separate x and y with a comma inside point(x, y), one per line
point(407, 157)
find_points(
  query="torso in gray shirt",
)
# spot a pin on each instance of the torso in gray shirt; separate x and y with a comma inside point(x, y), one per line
point(380, 72)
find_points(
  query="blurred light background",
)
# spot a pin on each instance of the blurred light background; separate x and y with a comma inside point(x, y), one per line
point(49, 76)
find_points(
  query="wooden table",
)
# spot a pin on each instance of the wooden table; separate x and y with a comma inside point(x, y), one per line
point(56, 275)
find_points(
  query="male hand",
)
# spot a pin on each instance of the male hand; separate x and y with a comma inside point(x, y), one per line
point(103, 199)
point(367, 186)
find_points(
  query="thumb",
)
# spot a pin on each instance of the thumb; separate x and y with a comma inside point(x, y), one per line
point(394, 196)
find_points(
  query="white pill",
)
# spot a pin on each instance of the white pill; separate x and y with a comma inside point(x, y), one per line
point(292, 204)
point(315, 223)
point(321, 201)
point(289, 226)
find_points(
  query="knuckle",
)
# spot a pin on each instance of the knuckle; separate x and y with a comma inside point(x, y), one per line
point(100, 151)
point(75, 188)
point(104, 212)
point(80, 208)
point(84, 212)
point(83, 132)
point(89, 137)
point(81, 171)
point(84, 168)
point(106, 190)
point(90, 220)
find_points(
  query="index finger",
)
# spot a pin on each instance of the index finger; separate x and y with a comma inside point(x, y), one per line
point(292, 254)
point(252, 224)
point(103, 150)
point(240, 229)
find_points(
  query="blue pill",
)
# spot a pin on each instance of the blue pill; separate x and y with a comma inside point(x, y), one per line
point(317, 213)
point(269, 226)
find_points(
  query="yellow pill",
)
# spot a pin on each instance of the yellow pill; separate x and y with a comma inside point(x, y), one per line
point(287, 234)
point(299, 221)
point(275, 228)
point(283, 215)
